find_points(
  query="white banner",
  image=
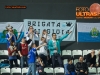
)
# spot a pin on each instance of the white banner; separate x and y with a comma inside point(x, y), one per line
point(60, 27)
point(17, 28)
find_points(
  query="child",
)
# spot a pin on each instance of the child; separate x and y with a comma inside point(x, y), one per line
point(40, 66)
point(32, 59)
point(12, 55)
point(70, 68)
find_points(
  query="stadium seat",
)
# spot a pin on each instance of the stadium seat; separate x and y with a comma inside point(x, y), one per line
point(92, 70)
point(76, 53)
point(89, 50)
point(66, 54)
point(49, 71)
point(65, 61)
point(96, 52)
point(59, 71)
point(75, 61)
point(16, 71)
point(3, 54)
point(24, 71)
point(5, 71)
point(98, 70)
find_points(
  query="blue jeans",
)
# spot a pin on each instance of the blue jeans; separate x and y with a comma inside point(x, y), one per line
point(23, 61)
point(71, 73)
point(32, 68)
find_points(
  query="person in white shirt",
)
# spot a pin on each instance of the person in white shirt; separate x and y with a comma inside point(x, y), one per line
point(34, 36)
point(42, 52)
point(45, 35)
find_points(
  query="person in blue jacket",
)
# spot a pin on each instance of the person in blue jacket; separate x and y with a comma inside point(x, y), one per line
point(32, 59)
point(70, 67)
point(54, 48)
point(10, 35)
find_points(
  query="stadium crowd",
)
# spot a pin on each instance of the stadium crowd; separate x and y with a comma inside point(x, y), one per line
point(39, 51)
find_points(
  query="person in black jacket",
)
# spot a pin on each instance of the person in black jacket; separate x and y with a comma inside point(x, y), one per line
point(91, 59)
point(70, 68)
point(40, 66)
point(81, 67)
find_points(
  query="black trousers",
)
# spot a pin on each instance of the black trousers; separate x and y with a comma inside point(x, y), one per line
point(58, 57)
point(89, 64)
point(44, 58)
point(81, 73)
point(42, 73)
point(11, 63)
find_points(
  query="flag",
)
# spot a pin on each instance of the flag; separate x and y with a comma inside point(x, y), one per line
point(88, 32)
point(17, 29)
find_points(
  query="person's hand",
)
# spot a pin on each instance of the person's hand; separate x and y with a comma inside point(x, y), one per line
point(15, 48)
point(40, 70)
point(30, 31)
point(20, 55)
point(91, 65)
point(44, 44)
point(81, 71)
point(69, 32)
point(76, 71)
point(86, 72)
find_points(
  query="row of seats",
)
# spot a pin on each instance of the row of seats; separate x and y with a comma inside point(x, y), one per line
point(65, 54)
point(48, 70)
point(76, 53)
point(23, 71)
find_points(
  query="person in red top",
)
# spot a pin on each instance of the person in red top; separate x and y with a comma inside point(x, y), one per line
point(23, 51)
point(12, 55)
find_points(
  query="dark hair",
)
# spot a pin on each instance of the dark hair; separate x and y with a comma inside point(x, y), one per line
point(53, 34)
point(44, 30)
point(81, 56)
point(69, 59)
point(11, 43)
point(29, 27)
point(31, 45)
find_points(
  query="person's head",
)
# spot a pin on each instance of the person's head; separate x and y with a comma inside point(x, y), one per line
point(93, 51)
point(11, 43)
point(44, 31)
point(54, 36)
point(23, 40)
point(10, 29)
point(30, 28)
point(39, 59)
point(43, 39)
point(70, 61)
point(33, 45)
point(81, 59)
